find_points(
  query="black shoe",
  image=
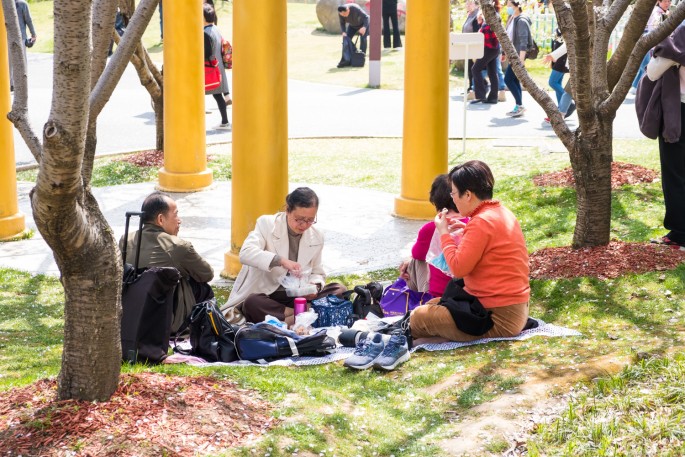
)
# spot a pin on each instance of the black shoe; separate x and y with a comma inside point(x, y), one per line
point(478, 100)
point(570, 111)
point(491, 102)
point(11, 88)
point(343, 64)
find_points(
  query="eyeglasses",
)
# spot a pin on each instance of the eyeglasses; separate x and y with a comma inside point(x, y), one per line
point(304, 221)
point(452, 194)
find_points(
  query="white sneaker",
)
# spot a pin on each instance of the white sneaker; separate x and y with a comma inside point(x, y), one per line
point(226, 126)
point(471, 95)
point(502, 96)
point(517, 111)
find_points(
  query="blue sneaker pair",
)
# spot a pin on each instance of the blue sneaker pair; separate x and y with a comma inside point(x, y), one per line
point(373, 351)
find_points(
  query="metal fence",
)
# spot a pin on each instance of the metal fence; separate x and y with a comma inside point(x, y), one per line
point(544, 26)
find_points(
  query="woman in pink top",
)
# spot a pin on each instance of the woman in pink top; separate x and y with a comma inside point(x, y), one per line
point(491, 257)
point(419, 275)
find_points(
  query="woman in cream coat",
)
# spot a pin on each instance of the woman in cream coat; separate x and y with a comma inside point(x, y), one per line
point(285, 242)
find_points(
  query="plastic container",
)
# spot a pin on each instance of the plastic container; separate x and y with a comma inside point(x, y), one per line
point(300, 305)
point(301, 291)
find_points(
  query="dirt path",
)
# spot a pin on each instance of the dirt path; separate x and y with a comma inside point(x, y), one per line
point(512, 416)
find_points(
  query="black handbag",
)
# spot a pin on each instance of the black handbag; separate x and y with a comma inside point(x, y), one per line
point(211, 336)
point(467, 311)
point(357, 58)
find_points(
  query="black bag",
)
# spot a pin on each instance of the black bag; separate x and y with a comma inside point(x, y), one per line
point(211, 336)
point(468, 313)
point(533, 50)
point(267, 342)
point(367, 300)
point(357, 58)
point(147, 301)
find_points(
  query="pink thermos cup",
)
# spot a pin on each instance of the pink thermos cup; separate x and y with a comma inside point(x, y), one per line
point(300, 305)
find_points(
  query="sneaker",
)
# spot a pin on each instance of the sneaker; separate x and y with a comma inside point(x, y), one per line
point(471, 95)
point(228, 100)
point(502, 96)
point(226, 126)
point(517, 111)
point(547, 121)
point(366, 353)
point(395, 352)
point(570, 111)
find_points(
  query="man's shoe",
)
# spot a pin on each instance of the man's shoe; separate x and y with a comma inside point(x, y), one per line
point(343, 64)
point(502, 96)
point(226, 126)
point(478, 100)
point(570, 111)
point(366, 353)
point(395, 352)
point(490, 102)
point(471, 95)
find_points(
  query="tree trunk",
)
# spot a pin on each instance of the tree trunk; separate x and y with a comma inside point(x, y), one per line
point(591, 161)
point(158, 106)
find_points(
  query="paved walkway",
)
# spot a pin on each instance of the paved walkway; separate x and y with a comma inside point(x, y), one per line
point(361, 234)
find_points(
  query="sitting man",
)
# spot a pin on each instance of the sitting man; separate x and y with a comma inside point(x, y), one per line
point(353, 20)
point(161, 247)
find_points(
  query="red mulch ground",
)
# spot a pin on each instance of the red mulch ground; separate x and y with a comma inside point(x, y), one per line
point(153, 414)
point(150, 414)
point(621, 174)
point(150, 158)
point(611, 261)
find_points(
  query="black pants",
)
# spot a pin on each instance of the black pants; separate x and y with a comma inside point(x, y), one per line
point(489, 61)
point(388, 17)
point(352, 31)
point(221, 104)
point(672, 157)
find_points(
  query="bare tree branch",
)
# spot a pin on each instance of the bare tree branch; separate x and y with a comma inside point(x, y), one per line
point(117, 64)
point(19, 114)
point(104, 12)
point(633, 30)
point(582, 88)
point(647, 42)
point(614, 14)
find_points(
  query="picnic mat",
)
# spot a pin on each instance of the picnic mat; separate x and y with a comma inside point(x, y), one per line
point(543, 329)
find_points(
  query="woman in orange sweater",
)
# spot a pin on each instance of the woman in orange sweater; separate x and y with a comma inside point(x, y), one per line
point(491, 257)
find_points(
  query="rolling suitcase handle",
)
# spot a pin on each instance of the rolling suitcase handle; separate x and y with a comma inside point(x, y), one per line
point(140, 231)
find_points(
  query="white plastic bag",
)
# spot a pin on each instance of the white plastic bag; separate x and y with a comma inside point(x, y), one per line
point(303, 322)
point(298, 286)
point(435, 257)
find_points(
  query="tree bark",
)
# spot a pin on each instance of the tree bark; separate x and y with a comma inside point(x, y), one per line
point(591, 162)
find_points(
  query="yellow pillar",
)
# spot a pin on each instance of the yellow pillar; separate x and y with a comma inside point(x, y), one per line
point(185, 155)
point(260, 118)
point(426, 96)
point(11, 220)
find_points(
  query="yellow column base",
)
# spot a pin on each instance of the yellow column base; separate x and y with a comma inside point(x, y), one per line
point(184, 182)
point(11, 226)
point(232, 265)
point(414, 209)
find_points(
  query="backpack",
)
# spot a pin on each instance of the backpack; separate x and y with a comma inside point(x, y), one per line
point(367, 300)
point(532, 50)
point(211, 336)
point(227, 54)
point(266, 342)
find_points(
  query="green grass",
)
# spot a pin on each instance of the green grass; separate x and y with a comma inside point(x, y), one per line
point(638, 412)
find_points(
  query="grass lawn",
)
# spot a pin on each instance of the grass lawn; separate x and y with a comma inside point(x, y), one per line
point(416, 409)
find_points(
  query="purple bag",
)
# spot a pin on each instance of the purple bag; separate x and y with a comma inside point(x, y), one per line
point(398, 299)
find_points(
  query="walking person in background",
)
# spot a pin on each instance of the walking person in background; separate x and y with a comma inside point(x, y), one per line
point(518, 31)
point(659, 14)
point(489, 60)
point(559, 61)
point(390, 16)
point(213, 38)
point(471, 25)
point(24, 15)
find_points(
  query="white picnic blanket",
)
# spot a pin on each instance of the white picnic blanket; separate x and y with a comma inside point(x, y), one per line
point(543, 329)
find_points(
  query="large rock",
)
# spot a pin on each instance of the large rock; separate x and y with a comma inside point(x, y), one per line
point(327, 12)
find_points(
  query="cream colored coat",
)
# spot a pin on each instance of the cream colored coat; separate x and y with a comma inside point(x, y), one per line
point(268, 239)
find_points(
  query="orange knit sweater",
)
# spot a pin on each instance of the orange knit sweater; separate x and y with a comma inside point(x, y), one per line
point(491, 257)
